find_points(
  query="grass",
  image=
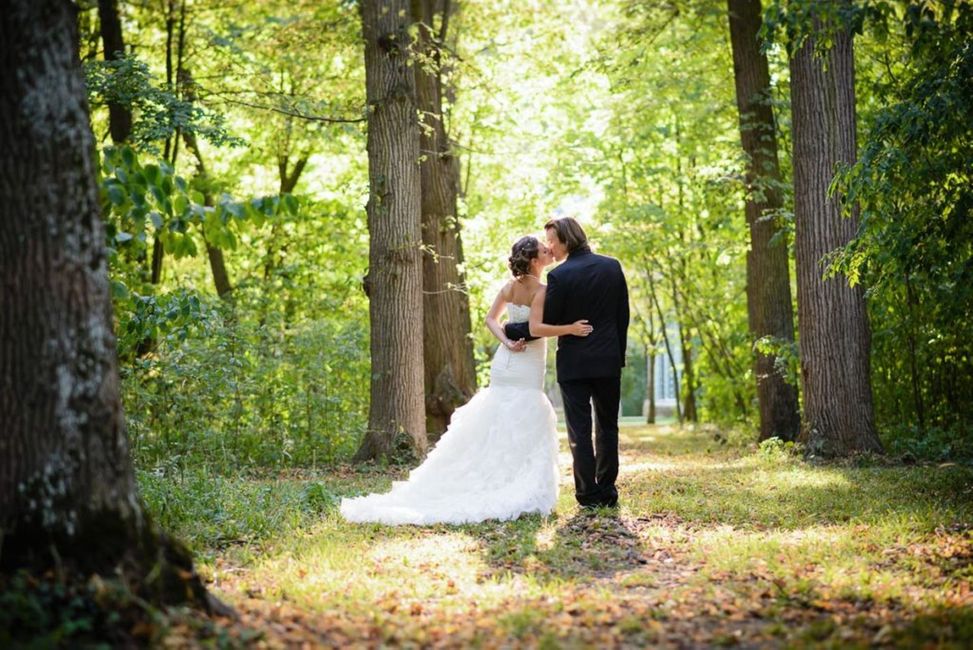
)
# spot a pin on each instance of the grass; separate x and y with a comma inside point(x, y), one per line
point(711, 546)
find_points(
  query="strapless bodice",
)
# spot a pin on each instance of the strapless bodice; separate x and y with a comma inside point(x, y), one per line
point(518, 313)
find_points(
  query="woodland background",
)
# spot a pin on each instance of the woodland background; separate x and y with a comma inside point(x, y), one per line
point(307, 208)
point(242, 328)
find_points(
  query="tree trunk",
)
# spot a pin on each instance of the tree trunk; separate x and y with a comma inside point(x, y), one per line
point(834, 333)
point(768, 281)
point(288, 177)
point(217, 263)
point(394, 280)
point(450, 376)
point(663, 328)
point(67, 489)
point(689, 374)
point(119, 115)
point(688, 370)
point(650, 384)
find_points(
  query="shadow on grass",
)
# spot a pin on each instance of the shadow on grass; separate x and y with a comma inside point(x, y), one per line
point(587, 545)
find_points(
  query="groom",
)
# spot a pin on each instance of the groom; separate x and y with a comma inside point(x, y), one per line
point(587, 286)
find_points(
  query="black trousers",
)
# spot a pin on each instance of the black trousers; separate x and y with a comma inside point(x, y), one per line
point(595, 467)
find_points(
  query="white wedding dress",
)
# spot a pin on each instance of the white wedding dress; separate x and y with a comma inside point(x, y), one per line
point(497, 459)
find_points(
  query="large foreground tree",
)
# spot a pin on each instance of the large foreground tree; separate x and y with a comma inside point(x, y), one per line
point(394, 281)
point(833, 324)
point(768, 278)
point(68, 496)
point(450, 374)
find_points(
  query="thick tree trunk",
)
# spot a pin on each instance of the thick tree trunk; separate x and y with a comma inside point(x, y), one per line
point(768, 280)
point(119, 115)
point(395, 257)
point(450, 376)
point(67, 490)
point(834, 333)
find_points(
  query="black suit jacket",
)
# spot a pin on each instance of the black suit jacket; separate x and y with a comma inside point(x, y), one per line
point(586, 286)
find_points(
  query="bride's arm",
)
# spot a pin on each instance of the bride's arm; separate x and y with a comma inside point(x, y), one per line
point(493, 323)
point(539, 328)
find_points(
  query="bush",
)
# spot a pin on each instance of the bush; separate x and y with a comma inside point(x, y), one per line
point(233, 395)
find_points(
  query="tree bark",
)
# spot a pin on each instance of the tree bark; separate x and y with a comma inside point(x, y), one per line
point(834, 333)
point(67, 488)
point(119, 115)
point(450, 376)
point(394, 280)
point(768, 278)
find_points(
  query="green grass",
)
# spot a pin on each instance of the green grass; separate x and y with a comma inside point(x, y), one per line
point(712, 545)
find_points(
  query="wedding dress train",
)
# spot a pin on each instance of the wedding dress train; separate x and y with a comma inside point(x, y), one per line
point(497, 459)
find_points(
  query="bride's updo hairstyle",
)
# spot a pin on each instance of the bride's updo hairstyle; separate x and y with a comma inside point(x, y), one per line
point(524, 250)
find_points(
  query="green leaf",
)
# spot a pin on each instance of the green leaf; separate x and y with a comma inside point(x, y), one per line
point(180, 204)
point(290, 204)
point(128, 157)
point(153, 174)
point(157, 194)
point(116, 194)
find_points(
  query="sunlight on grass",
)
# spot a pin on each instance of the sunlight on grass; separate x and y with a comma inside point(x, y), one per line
point(720, 535)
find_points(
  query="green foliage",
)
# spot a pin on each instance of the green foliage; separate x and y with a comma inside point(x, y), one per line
point(214, 512)
point(139, 198)
point(665, 156)
point(802, 19)
point(237, 395)
point(619, 112)
point(775, 451)
point(159, 112)
point(914, 251)
point(46, 613)
point(175, 315)
point(100, 612)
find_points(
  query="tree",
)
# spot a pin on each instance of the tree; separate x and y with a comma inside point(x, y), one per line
point(450, 375)
point(394, 281)
point(768, 278)
point(67, 488)
point(834, 343)
point(217, 263)
point(119, 115)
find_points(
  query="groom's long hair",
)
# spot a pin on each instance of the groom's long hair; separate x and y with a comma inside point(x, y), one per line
point(569, 232)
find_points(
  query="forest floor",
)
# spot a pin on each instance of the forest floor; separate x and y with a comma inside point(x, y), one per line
point(712, 546)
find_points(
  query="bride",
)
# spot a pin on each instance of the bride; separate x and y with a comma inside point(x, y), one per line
point(498, 458)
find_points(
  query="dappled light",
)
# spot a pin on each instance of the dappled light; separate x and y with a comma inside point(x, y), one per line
point(486, 324)
point(767, 545)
